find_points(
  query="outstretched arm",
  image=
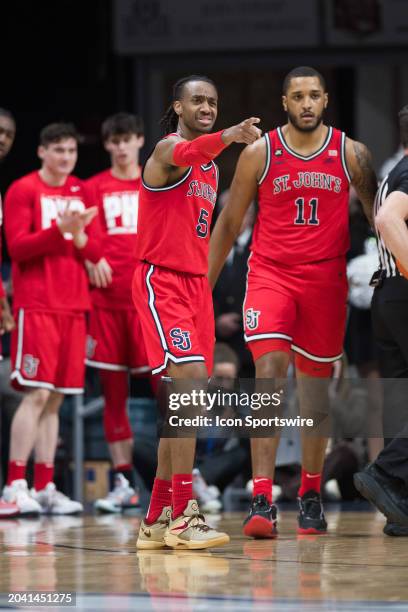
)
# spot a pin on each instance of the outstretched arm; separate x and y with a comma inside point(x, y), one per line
point(363, 178)
point(242, 192)
point(176, 152)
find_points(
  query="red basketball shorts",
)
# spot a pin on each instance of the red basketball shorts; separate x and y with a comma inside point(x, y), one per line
point(301, 308)
point(176, 314)
point(48, 351)
point(115, 341)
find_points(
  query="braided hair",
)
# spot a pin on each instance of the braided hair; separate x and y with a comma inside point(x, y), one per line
point(170, 119)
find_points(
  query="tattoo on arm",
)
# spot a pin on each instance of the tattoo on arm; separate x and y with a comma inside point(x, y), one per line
point(364, 178)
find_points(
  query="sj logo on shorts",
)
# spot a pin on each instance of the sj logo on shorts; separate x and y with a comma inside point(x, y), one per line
point(180, 339)
point(30, 366)
point(252, 318)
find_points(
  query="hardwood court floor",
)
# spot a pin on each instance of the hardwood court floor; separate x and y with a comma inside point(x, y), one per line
point(354, 567)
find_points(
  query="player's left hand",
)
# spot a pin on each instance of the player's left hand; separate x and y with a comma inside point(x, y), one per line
point(7, 322)
point(245, 132)
point(76, 222)
point(102, 274)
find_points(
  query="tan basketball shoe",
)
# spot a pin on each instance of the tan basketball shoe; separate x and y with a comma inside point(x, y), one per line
point(191, 531)
point(151, 536)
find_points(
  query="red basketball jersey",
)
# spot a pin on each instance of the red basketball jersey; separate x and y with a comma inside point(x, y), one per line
point(48, 270)
point(174, 221)
point(118, 203)
point(303, 202)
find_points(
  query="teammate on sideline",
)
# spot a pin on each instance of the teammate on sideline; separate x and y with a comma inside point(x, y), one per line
point(296, 289)
point(7, 132)
point(7, 323)
point(45, 220)
point(115, 343)
point(171, 291)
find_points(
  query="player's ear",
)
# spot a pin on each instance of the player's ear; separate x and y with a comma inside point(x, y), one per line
point(177, 107)
point(141, 141)
point(41, 151)
point(284, 103)
point(326, 100)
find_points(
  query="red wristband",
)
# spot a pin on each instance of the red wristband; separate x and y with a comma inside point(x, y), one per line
point(201, 150)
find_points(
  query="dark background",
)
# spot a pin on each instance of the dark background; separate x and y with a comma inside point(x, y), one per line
point(58, 63)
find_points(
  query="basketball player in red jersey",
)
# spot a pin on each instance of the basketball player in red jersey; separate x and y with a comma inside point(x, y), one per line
point(171, 291)
point(296, 290)
point(45, 220)
point(115, 344)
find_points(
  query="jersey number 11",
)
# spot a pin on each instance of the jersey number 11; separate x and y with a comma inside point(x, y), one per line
point(313, 218)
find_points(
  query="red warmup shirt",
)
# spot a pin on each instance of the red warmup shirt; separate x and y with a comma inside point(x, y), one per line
point(174, 221)
point(303, 202)
point(118, 203)
point(48, 270)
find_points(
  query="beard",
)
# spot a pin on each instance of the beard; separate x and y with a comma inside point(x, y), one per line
point(308, 128)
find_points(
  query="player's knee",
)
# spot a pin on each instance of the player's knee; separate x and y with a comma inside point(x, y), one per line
point(54, 401)
point(272, 365)
point(313, 368)
point(193, 371)
point(38, 399)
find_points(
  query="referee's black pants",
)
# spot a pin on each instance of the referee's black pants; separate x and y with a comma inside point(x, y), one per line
point(390, 324)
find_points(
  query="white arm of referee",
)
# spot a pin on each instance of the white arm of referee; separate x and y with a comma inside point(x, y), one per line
point(391, 223)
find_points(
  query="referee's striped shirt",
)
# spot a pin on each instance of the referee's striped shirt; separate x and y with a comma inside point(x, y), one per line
point(396, 180)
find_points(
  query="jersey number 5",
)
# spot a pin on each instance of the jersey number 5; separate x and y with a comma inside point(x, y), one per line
point(313, 218)
point(202, 224)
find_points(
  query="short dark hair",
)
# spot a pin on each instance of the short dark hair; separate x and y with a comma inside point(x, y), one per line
point(403, 122)
point(54, 132)
point(6, 113)
point(122, 123)
point(302, 71)
point(170, 119)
